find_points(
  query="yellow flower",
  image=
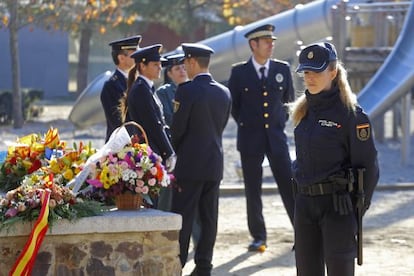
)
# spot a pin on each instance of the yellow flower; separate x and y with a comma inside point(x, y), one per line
point(68, 174)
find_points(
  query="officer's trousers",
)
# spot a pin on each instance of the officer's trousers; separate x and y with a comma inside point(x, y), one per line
point(322, 236)
point(280, 165)
point(186, 198)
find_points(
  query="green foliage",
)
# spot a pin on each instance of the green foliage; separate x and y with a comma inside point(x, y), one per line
point(71, 212)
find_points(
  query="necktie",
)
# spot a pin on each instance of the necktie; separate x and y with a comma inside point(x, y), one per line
point(152, 89)
point(262, 74)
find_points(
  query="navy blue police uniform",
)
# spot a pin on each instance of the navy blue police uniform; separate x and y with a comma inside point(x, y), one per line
point(145, 108)
point(115, 87)
point(330, 139)
point(202, 109)
point(260, 113)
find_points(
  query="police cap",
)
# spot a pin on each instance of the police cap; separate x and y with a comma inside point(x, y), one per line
point(174, 59)
point(128, 43)
point(196, 50)
point(316, 57)
point(149, 53)
point(261, 31)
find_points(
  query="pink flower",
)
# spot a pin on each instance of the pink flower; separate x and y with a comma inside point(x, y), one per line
point(145, 190)
point(140, 183)
point(152, 182)
point(11, 212)
point(95, 182)
point(153, 170)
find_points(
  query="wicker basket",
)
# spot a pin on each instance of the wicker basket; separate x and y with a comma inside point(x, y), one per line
point(128, 201)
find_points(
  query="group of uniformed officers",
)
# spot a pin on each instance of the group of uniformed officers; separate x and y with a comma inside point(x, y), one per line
point(184, 121)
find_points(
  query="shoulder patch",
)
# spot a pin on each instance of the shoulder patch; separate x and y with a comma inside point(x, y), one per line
point(363, 131)
point(176, 105)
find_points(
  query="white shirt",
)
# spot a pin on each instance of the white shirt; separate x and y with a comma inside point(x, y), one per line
point(257, 66)
point(147, 80)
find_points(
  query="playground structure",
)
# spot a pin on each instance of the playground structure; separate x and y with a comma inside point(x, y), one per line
point(365, 34)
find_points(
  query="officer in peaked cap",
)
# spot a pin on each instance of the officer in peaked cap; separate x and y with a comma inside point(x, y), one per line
point(128, 43)
point(174, 74)
point(202, 109)
point(196, 50)
point(147, 54)
point(261, 31)
point(114, 88)
point(316, 57)
point(260, 88)
point(142, 104)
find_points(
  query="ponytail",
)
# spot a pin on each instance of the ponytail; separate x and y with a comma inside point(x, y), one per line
point(123, 105)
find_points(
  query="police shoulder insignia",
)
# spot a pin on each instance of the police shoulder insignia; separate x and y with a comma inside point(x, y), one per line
point(363, 131)
point(176, 105)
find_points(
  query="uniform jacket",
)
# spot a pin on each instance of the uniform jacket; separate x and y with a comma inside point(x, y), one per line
point(203, 109)
point(144, 108)
point(260, 113)
point(166, 94)
point(330, 139)
point(112, 91)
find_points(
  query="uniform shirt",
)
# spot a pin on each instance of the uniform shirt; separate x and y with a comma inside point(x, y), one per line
point(259, 110)
point(330, 139)
point(202, 111)
point(112, 91)
point(166, 94)
point(144, 109)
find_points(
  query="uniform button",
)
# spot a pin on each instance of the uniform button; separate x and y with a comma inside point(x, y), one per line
point(241, 124)
point(266, 125)
point(280, 88)
point(265, 93)
point(265, 104)
point(266, 115)
point(246, 89)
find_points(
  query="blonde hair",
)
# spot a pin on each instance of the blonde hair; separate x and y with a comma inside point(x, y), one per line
point(300, 106)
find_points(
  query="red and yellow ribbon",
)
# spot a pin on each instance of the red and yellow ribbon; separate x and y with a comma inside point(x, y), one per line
point(25, 262)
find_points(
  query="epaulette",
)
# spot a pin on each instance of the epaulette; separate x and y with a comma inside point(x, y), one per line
point(239, 63)
point(281, 61)
point(114, 77)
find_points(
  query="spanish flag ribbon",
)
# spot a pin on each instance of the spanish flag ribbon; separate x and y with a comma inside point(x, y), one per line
point(25, 262)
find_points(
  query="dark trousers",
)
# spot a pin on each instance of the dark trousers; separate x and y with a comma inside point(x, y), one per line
point(323, 236)
point(189, 196)
point(280, 165)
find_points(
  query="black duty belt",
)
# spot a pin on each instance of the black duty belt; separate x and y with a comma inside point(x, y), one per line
point(321, 189)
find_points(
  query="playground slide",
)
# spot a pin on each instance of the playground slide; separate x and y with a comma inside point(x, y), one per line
point(306, 23)
point(395, 77)
point(87, 110)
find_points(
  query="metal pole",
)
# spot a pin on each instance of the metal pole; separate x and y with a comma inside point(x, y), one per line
point(405, 141)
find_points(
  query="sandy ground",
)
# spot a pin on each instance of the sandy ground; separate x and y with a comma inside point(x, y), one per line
point(389, 224)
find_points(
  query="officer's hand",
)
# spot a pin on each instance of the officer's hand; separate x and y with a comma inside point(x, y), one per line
point(342, 203)
point(170, 162)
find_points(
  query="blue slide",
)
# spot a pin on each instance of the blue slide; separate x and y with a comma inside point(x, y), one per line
point(395, 78)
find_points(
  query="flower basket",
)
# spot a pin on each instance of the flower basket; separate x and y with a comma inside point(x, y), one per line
point(127, 171)
point(128, 201)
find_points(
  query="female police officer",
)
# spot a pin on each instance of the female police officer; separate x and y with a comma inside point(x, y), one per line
point(333, 136)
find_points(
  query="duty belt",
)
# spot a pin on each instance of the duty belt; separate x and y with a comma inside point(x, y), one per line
point(322, 188)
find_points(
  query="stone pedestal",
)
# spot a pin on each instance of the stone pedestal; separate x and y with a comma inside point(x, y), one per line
point(143, 242)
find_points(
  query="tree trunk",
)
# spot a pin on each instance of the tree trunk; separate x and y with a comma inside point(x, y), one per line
point(18, 119)
point(82, 73)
